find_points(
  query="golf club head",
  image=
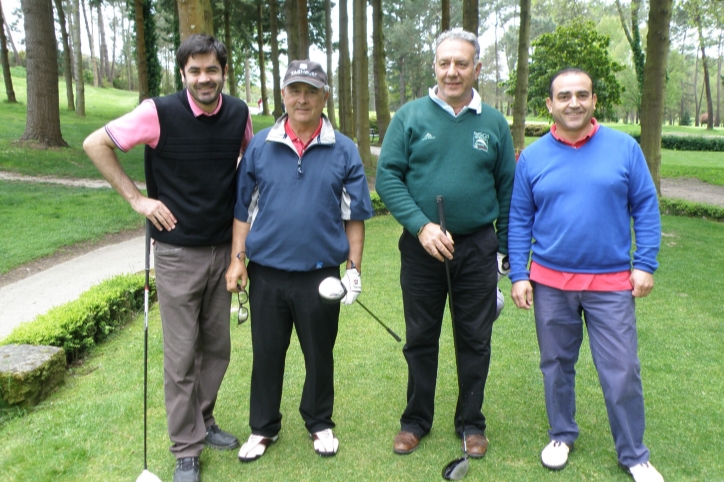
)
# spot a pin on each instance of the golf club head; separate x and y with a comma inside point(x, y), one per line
point(456, 469)
point(331, 290)
point(147, 476)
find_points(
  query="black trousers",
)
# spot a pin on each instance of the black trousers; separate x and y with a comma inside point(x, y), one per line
point(278, 301)
point(473, 272)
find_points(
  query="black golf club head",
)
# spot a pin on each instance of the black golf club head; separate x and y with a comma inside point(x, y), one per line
point(456, 470)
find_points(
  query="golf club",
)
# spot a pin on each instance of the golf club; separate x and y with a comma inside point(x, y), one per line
point(331, 290)
point(146, 476)
point(458, 468)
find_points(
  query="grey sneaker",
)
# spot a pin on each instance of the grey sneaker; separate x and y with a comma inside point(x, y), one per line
point(218, 439)
point(187, 470)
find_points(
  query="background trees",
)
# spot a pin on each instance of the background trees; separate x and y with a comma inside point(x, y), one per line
point(261, 35)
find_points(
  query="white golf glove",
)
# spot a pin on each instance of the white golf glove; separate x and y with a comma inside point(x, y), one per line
point(352, 282)
point(503, 266)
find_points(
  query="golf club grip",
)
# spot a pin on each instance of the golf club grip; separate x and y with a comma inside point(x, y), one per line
point(441, 213)
point(148, 248)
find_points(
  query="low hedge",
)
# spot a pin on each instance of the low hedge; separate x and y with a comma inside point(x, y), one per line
point(689, 143)
point(81, 324)
point(679, 207)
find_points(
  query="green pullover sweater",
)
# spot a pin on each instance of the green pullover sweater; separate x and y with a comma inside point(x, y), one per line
point(468, 159)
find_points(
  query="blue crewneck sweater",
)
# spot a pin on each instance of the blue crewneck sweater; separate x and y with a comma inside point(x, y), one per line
point(577, 204)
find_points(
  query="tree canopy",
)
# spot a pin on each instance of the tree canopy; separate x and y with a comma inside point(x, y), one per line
point(574, 45)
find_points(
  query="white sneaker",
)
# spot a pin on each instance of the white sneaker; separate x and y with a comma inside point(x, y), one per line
point(645, 473)
point(555, 455)
point(255, 447)
point(325, 443)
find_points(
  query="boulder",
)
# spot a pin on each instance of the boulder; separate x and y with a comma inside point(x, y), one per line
point(28, 373)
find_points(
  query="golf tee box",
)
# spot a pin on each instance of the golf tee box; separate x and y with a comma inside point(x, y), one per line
point(29, 373)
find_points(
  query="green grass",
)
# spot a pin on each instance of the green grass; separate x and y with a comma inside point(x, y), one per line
point(102, 105)
point(46, 218)
point(91, 429)
point(39, 219)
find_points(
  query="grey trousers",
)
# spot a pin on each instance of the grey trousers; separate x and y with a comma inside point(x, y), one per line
point(195, 307)
point(610, 318)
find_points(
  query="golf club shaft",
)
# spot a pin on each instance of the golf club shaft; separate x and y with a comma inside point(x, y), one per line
point(145, 342)
point(394, 335)
point(441, 215)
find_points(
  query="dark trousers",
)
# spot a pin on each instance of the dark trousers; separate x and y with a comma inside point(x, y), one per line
point(278, 301)
point(473, 272)
point(195, 306)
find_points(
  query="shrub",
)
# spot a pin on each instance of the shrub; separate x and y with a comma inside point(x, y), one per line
point(689, 143)
point(377, 205)
point(679, 207)
point(81, 324)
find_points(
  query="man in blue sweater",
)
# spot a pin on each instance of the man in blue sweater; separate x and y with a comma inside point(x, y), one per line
point(576, 191)
point(302, 199)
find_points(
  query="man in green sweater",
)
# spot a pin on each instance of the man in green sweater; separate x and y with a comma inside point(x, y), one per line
point(451, 144)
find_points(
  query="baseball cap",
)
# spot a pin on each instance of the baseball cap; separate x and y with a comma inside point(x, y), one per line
point(305, 71)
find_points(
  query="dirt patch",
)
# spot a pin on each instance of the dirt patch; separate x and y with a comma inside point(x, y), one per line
point(693, 190)
point(64, 254)
point(92, 183)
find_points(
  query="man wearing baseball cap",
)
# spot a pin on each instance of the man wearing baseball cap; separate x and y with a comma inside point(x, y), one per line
point(302, 199)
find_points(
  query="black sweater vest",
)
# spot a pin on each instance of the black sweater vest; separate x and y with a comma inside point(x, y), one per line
point(192, 170)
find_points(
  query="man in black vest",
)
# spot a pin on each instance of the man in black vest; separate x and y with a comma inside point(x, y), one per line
point(193, 141)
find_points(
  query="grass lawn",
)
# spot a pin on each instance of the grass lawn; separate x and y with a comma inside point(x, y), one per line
point(91, 429)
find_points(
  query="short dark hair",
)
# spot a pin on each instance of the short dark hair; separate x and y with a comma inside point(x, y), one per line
point(566, 71)
point(200, 43)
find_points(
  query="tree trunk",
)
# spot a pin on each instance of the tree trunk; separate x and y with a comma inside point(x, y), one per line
point(195, 16)
point(402, 81)
point(274, 28)
point(112, 60)
point(292, 28)
point(67, 64)
point(4, 22)
point(496, 53)
point(141, 64)
point(247, 79)
point(303, 23)
point(229, 48)
point(471, 23)
point(717, 118)
point(697, 97)
point(346, 109)
point(382, 100)
point(470, 16)
point(78, 60)
point(9, 91)
point(652, 99)
point(633, 35)
point(520, 106)
point(42, 124)
point(262, 63)
point(362, 110)
point(445, 19)
point(103, 46)
point(707, 84)
point(330, 68)
point(91, 45)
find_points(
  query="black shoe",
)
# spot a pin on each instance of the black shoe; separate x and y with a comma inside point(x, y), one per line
point(187, 470)
point(218, 439)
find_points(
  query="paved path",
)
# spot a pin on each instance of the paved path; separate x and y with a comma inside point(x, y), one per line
point(35, 295)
